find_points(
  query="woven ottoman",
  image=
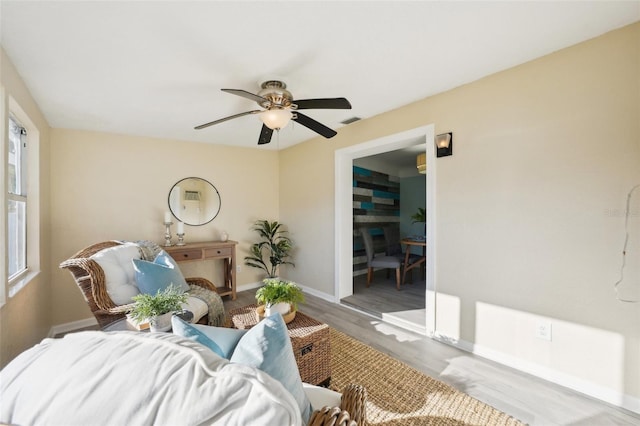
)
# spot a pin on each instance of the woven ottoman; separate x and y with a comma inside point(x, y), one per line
point(309, 338)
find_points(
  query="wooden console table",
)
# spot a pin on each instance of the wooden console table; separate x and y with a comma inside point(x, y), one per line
point(211, 250)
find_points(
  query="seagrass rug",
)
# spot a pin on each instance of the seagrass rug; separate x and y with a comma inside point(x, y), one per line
point(401, 395)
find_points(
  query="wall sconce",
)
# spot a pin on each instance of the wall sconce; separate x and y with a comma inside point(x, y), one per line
point(444, 145)
point(421, 163)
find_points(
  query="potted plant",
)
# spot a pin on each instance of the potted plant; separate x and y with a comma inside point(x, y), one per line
point(158, 309)
point(272, 250)
point(279, 296)
point(420, 216)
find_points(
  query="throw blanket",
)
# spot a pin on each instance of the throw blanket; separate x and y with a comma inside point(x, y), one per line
point(130, 378)
point(213, 301)
point(149, 250)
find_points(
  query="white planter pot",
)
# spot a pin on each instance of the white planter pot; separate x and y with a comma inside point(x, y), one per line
point(281, 307)
point(161, 322)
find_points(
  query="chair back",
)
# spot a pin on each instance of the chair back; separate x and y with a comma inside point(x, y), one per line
point(368, 244)
point(392, 240)
point(90, 279)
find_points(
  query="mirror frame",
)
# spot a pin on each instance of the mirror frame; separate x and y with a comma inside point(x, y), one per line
point(205, 181)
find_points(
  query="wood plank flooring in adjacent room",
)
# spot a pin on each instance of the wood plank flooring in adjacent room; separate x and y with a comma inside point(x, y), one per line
point(531, 400)
point(383, 297)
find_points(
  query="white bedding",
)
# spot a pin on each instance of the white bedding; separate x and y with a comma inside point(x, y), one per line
point(137, 379)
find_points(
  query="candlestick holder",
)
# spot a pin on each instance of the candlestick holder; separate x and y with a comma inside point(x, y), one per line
point(167, 234)
point(180, 239)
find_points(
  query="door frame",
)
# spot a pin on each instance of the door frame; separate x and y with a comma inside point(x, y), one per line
point(343, 279)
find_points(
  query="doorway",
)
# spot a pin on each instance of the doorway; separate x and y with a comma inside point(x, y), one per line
point(387, 191)
point(344, 213)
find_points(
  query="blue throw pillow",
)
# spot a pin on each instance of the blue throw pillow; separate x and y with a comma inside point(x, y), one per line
point(155, 276)
point(267, 346)
point(220, 340)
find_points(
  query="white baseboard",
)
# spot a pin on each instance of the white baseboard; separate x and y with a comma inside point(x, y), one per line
point(249, 286)
point(71, 326)
point(309, 290)
point(322, 295)
point(580, 385)
point(402, 323)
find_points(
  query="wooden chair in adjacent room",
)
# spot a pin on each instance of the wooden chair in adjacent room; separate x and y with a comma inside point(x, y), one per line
point(394, 248)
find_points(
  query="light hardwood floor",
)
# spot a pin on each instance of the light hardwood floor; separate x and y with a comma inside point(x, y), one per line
point(531, 400)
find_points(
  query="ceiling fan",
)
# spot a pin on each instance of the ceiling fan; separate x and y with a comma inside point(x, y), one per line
point(280, 107)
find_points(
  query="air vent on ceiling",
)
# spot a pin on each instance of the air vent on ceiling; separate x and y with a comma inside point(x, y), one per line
point(351, 120)
point(192, 195)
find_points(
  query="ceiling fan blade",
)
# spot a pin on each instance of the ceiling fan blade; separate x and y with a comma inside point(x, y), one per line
point(314, 125)
point(231, 117)
point(326, 103)
point(245, 94)
point(265, 135)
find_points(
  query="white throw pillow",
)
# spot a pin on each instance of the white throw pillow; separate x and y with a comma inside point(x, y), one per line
point(118, 271)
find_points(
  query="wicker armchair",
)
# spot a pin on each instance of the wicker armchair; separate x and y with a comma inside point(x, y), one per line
point(90, 278)
point(352, 410)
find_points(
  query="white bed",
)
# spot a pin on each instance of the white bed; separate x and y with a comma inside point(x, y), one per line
point(141, 378)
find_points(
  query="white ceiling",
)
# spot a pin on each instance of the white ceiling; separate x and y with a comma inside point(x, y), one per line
point(155, 69)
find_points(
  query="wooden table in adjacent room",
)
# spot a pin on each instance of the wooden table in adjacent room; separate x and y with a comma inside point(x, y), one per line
point(410, 242)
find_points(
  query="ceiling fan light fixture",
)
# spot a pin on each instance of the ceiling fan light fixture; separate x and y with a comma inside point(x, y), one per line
point(276, 118)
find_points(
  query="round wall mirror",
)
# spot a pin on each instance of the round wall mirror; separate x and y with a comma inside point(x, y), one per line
point(194, 201)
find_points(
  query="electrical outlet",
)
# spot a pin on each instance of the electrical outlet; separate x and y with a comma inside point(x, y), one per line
point(543, 330)
point(238, 268)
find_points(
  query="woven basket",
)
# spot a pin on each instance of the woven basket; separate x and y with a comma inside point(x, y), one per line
point(310, 342)
point(287, 318)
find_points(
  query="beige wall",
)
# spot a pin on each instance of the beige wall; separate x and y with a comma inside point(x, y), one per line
point(542, 154)
point(106, 186)
point(25, 318)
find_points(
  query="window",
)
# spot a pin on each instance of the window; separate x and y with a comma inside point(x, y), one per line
point(20, 196)
point(17, 200)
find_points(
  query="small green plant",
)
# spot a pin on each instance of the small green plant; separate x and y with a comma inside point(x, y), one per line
point(420, 216)
point(276, 291)
point(273, 244)
point(147, 306)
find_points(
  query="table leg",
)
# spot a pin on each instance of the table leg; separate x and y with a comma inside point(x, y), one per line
point(406, 264)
